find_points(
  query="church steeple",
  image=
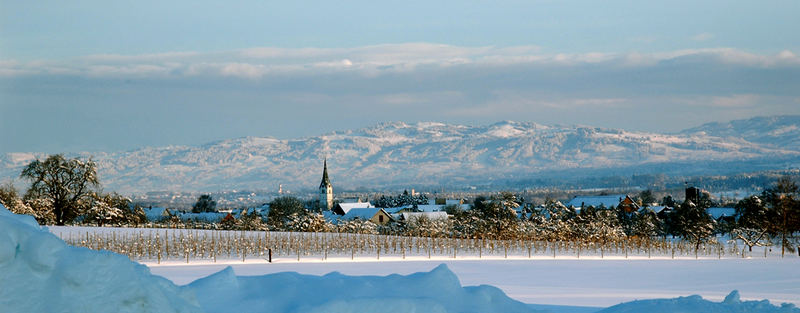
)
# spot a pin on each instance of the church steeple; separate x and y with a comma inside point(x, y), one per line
point(325, 180)
point(325, 189)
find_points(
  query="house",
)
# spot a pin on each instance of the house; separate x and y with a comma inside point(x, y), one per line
point(719, 214)
point(344, 208)
point(628, 205)
point(376, 215)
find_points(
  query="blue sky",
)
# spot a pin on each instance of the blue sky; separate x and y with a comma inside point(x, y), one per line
point(103, 75)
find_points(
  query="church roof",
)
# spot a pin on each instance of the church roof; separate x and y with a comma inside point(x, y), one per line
point(325, 180)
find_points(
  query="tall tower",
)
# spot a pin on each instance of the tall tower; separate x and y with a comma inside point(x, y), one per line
point(325, 189)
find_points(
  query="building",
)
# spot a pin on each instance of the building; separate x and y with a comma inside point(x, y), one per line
point(376, 215)
point(628, 205)
point(325, 189)
point(609, 201)
point(343, 208)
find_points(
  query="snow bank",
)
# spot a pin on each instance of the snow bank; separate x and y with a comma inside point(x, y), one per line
point(731, 304)
point(436, 291)
point(40, 273)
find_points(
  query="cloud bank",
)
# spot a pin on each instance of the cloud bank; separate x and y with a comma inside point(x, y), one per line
point(369, 60)
point(102, 102)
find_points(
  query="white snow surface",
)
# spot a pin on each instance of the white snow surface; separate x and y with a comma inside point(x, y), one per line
point(435, 291)
point(731, 304)
point(40, 273)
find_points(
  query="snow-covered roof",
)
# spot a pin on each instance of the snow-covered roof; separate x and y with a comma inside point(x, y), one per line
point(420, 208)
point(721, 212)
point(394, 210)
point(408, 216)
point(658, 208)
point(596, 201)
point(429, 208)
point(331, 217)
point(361, 213)
point(347, 206)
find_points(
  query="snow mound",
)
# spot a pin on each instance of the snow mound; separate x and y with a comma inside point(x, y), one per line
point(40, 273)
point(731, 304)
point(436, 291)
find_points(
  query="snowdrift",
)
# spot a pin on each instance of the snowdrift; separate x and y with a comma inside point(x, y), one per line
point(433, 292)
point(695, 303)
point(40, 273)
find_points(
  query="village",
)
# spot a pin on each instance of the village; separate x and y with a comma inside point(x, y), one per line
point(503, 215)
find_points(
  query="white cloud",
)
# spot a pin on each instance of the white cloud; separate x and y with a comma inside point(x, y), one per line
point(734, 101)
point(703, 37)
point(369, 61)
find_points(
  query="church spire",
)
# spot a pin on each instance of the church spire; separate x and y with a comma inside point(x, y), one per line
point(325, 180)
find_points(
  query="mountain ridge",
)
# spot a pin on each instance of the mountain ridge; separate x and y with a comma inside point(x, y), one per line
point(434, 153)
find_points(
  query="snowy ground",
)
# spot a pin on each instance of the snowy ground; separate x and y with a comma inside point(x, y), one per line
point(584, 282)
point(41, 273)
point(566, 280)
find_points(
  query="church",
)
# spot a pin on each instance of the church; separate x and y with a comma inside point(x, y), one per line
point(325, 189)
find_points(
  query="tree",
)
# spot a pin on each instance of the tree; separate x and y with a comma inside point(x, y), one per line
point(251, 220)
point(310, 222)
point(753, 224)
point(67, 183)
point(668, 201)
point(492, 219)
point(647, 224)
point(205, 203)
point(507, 200)
point(784, 198)
point(646, 196)
point(11, 200)
point(110, 208)
point(453, 209)
point(281, 211)
point(691, 222)
point(103, 213)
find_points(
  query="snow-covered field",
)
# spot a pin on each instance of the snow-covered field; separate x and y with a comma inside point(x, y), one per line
point(584, 282)
point(40, 273)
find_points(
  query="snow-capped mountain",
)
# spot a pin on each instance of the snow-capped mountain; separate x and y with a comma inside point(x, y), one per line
point(774, 131)
point(397, 154)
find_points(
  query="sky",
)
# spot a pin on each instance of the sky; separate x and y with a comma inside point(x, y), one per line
point(108, 76)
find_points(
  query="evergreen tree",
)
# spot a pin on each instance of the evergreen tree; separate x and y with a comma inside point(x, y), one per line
point(205, 203)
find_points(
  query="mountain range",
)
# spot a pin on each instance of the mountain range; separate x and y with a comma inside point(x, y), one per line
point(439, 154)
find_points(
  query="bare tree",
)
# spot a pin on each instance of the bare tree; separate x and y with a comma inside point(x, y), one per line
point(67, 183)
